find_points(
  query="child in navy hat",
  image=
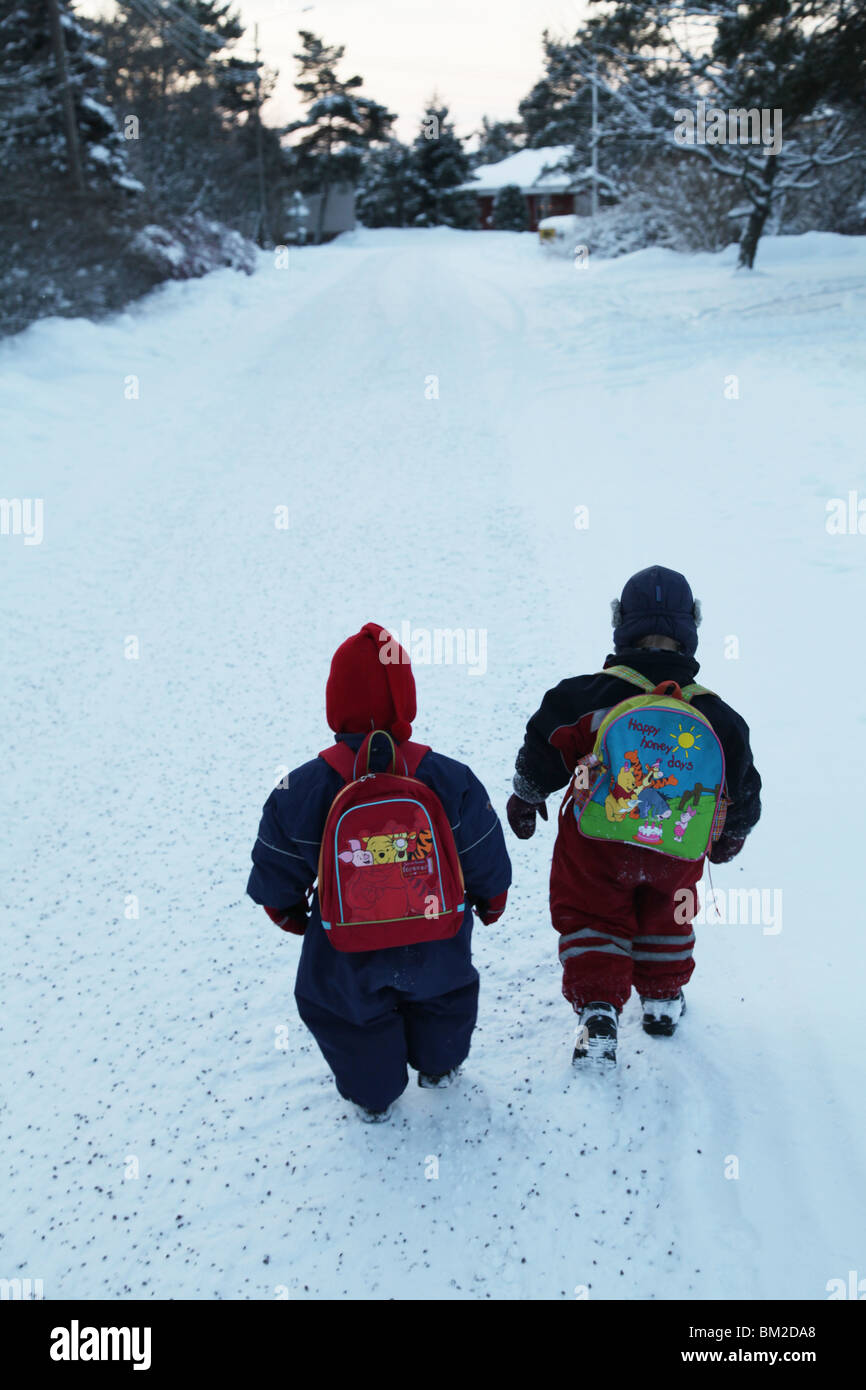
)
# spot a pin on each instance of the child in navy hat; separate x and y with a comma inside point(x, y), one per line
point(623, 917)
point(375, 1013)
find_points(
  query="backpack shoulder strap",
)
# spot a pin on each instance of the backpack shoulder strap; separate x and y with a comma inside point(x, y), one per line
point(341, 758)
point(412, 754)
point(626, 673)
point(690, 691)
point(350, 764)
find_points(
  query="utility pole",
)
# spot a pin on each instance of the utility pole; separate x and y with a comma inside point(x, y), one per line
point(163, 74)
point(73, 148)
point(260, 154)
point(594, 195)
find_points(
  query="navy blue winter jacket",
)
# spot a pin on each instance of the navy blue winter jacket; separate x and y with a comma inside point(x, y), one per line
point(285, 863)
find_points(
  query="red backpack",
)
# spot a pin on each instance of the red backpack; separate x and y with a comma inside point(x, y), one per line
point(389, 871)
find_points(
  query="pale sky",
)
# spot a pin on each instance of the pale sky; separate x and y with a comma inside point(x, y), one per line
point(481, 56)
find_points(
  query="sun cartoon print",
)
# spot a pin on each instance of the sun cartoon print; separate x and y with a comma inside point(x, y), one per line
point(687, 739)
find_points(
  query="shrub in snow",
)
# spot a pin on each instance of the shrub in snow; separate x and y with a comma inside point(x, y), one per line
point(66, 262)
point(673, 203)
point(191, 246)
point(614, 232)
point(85, 267)
point(509, 210)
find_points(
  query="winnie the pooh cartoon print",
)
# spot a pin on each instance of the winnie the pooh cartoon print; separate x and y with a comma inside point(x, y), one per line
point(389, 849)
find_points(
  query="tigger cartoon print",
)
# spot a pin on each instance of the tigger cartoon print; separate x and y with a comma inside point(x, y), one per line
point(650, 801)
point(423, 845)
point(401, 840)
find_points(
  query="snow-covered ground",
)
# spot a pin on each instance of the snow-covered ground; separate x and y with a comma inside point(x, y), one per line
point(154, 1043)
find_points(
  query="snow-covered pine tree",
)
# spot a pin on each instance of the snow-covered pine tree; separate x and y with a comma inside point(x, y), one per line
point(740, 57)
point(339, 125)
point(34, 146)
point(157, 47)
point(559, 111)
point(497, 140)
point(439, 165)
point(382, 198)
point(68, 202)
point(174, 64)
point(509, 210)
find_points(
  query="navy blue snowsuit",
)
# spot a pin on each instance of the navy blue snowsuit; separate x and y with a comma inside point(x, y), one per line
point(372, 1012)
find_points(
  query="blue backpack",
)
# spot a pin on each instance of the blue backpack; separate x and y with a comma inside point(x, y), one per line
point(658, 773)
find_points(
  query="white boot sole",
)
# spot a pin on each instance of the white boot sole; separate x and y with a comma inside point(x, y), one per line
point(592, 1053)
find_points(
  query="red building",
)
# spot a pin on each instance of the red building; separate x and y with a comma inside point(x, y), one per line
point(547, 187)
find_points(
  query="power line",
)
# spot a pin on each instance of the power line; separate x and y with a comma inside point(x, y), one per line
point(167, 18)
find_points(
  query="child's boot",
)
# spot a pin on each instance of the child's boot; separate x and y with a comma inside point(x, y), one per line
point(661, 1016)
point(597, 1034)
point(372, 1117)
point(438, 1083)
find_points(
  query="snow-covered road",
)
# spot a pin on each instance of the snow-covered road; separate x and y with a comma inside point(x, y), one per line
point(430, 409)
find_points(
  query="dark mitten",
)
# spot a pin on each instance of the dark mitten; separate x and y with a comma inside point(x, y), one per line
point(727, 847)
point(521, 816)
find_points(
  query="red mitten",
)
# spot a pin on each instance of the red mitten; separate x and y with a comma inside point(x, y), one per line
point(490, 912)
point(293, 919)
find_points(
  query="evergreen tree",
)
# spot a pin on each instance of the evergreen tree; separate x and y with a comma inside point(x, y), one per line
point(339, 125)
point(558, 111)
point(156, 48)
point(439, 165)
point(509, 210)
point(201, 148)
point(384, 193)
point(788, 56)
point(497, 140)
point(69, 205)
point(34, 147)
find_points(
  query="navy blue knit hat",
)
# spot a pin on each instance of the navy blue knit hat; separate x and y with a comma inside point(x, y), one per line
point(656, 600)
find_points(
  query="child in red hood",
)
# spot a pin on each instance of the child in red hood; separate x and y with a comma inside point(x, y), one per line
point(373, 1013)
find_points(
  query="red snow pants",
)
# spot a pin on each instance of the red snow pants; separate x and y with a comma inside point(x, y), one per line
point(623, 917)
